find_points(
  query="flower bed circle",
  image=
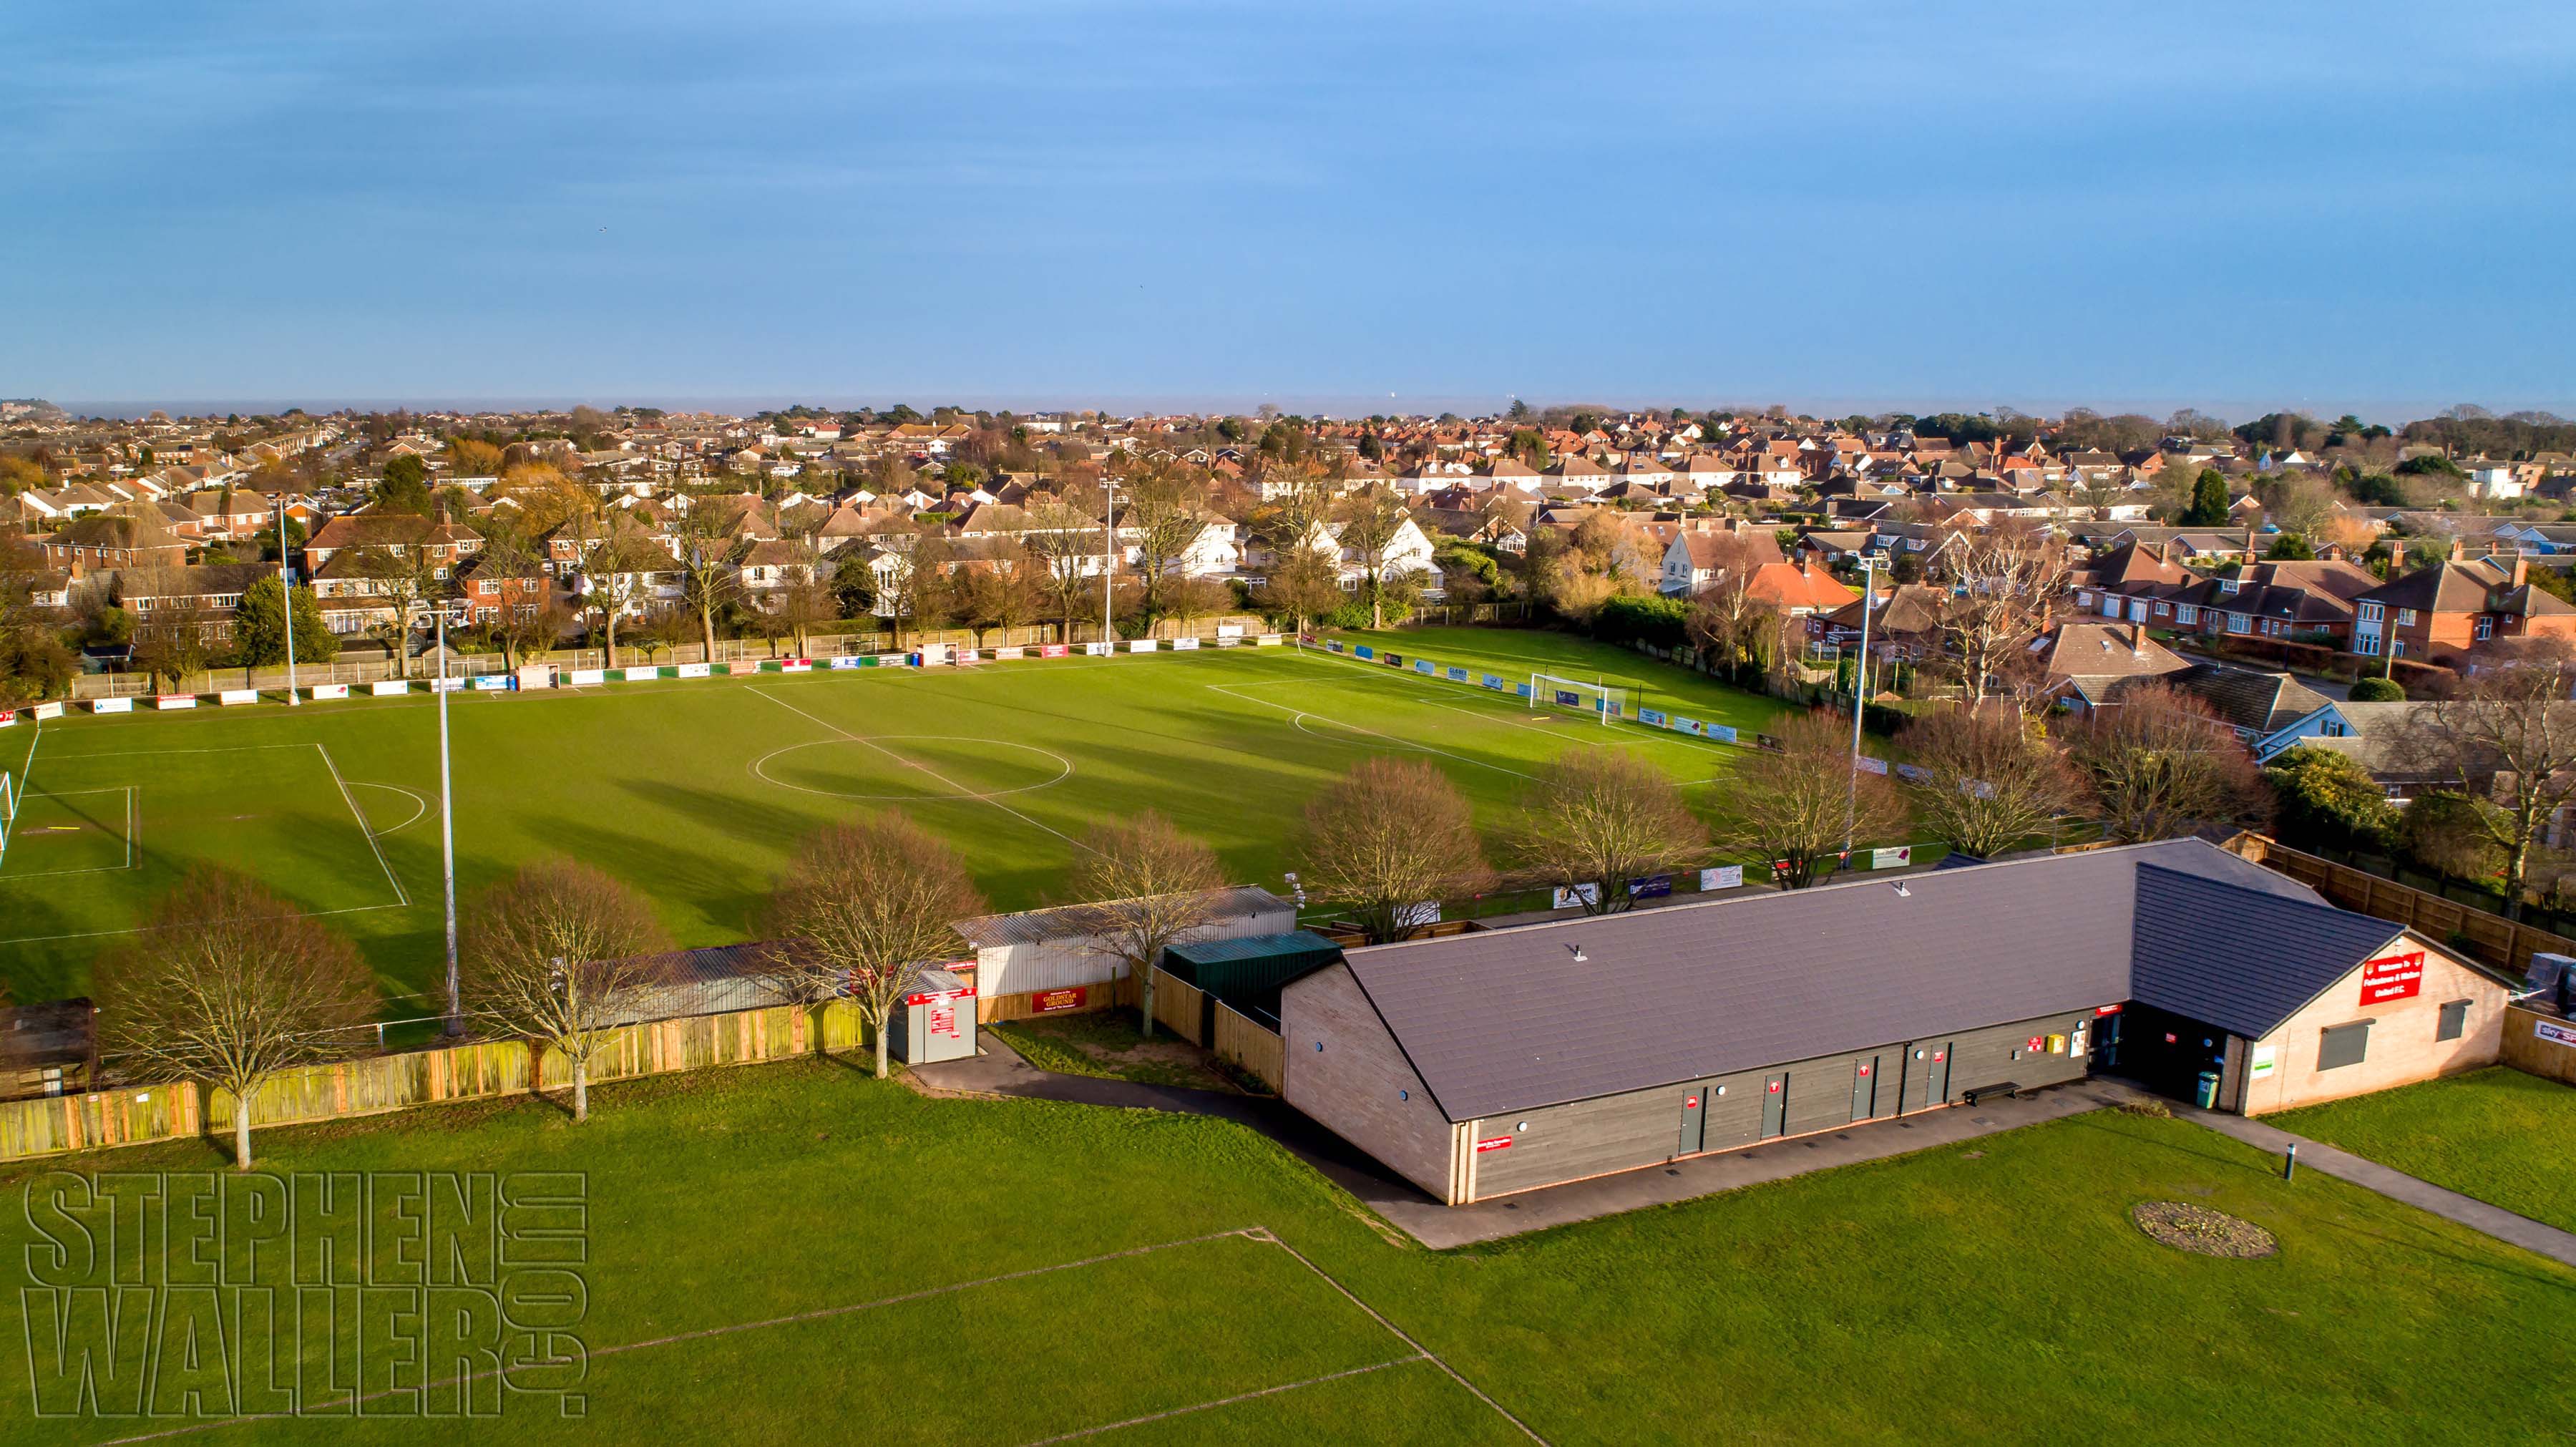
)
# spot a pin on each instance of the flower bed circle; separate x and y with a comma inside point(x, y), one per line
point(2202, 1230)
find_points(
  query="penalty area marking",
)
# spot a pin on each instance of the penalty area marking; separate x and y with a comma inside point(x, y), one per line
point(760, 766)
point(419, 806)
point(127, 790)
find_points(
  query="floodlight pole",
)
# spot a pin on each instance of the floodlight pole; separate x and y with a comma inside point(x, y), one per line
point(1108, 548)
point(286, 600)
point(446, 825)
point(1860, 688)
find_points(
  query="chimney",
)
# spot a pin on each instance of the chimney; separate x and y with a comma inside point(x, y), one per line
point(2250, 553)
point(2521, 569)
point(2137, 637)
point(2459, 550)
point(2396, 555)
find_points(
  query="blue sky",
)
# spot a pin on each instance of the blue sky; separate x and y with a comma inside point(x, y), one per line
point(1367, 207)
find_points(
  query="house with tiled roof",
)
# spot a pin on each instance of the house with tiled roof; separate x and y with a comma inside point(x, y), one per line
point(2445, 609)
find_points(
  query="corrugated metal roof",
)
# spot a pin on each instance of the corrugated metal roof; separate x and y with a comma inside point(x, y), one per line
point(1511, 1020)
point(1252, 947)
point(1037, 926)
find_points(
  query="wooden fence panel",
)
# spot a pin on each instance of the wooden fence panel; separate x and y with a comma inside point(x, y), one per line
point(2506, 944)
point(1260, 1052)
point(2526, 1051)
point(1177, 1006)
point(375, 1084)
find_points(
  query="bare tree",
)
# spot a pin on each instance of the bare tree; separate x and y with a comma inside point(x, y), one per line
point(1372, 520)
point(411, 579)
point(1795, 807)
point(228, 984)
point(874, 901)
point(1603, 817)
point(554, 954)
point(2002, 578)
point(1064, 537)
point(1390, 835)
point(1302, 584)
point(708, 535)
point(2160, 765)
point(2506, 736)
point(1148, 885)
point(1988, 782)
point(618, 561)
point(1726, 617)
point(1166, 511)
point(806, 603)
point(175, 640)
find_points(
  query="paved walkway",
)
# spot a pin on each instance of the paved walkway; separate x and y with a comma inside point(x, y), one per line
point(1000, 1071)
point(2450, 1205)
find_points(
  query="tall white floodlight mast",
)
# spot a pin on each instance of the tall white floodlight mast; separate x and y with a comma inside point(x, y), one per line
point(286, 600)
point(446, 826)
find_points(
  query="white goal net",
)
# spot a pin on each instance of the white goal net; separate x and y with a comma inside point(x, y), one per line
point(1604, 701)
point(8, 810)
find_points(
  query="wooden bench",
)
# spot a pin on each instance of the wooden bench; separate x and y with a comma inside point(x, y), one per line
point(2007, 1090)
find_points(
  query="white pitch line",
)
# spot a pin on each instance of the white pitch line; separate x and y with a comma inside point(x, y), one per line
point(954, 787)
point(128, 791)
point(1228, 690)
point(401, 896)
point(145, 929)
point(420, 806)
point(1263, 1233)
point(1251, 1396)
point(1373, 675)
point(818, 1314)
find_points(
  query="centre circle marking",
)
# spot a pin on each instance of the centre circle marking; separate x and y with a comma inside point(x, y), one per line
point(760, 766)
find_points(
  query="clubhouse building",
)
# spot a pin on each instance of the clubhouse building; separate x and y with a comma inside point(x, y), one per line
point(1482, 1064)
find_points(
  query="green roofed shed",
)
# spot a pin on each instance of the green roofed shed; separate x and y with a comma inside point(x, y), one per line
point(1248, 973)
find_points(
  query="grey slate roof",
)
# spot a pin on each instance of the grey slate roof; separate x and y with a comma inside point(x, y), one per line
point(2197, 941)
point(1508, 1020)
point(1036, 926)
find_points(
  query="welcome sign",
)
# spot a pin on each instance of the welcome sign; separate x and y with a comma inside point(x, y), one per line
point(2397, 977)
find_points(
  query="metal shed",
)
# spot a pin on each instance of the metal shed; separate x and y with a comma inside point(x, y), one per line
point(1248, 973)
point(936, 1020)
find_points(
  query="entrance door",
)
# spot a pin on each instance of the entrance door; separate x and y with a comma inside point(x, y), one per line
point(1775, 1105)
point(1694, 1122)
point(1932, 1066)
point(1865, 1088)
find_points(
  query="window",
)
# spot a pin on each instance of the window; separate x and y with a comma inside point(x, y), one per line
point(2485, 627)
point(2405, 617)
point(2455, 1021)
point(2344, 1045)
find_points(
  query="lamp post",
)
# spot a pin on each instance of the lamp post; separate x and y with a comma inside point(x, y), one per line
point(286, 598)
point(1860, 692)
point(1108, 548)
point(446, 828)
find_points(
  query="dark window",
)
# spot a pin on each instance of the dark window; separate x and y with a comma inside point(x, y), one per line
point(2455, 1021)
point(2344, 1045)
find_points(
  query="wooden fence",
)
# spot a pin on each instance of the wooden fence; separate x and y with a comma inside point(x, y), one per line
point(1180, 1007)
point(1255, 1049)
point(2503, 943)
point(2526, 1050)
point(374, 1084)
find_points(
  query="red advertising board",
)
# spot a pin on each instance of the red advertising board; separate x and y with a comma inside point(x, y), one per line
point(1047, 1002)
point(2397, 977)
point(1494, 1143)
point(1051, 650)
point(2106, 1009)
point(943, 1020)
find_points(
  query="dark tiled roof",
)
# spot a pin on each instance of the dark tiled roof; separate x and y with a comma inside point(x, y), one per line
point(2237, 959)
point(1510, 1020)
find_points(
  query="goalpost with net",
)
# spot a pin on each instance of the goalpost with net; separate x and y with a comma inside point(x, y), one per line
point(1604, 701)
point(8, 810)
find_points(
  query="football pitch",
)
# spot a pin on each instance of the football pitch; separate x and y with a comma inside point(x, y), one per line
point(697, 791)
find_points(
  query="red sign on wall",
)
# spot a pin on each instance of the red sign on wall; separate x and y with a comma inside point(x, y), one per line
point(1494, 1143)
point(2398, 977)
point(1047, 1002)
point(2106, 1009)
point(943, 1020)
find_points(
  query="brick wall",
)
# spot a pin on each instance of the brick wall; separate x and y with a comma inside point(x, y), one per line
point(2402, 1045)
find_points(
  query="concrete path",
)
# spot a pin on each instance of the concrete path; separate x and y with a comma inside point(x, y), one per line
point(2450, 1205)
point(1000, 1071)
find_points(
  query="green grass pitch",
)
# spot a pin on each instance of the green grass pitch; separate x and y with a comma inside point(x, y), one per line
point(798, 1252)
point(696, 791)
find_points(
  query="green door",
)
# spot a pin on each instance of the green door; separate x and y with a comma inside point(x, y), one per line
point(1694, 1121)
point(1932, 1065)
point(1775, 1105)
